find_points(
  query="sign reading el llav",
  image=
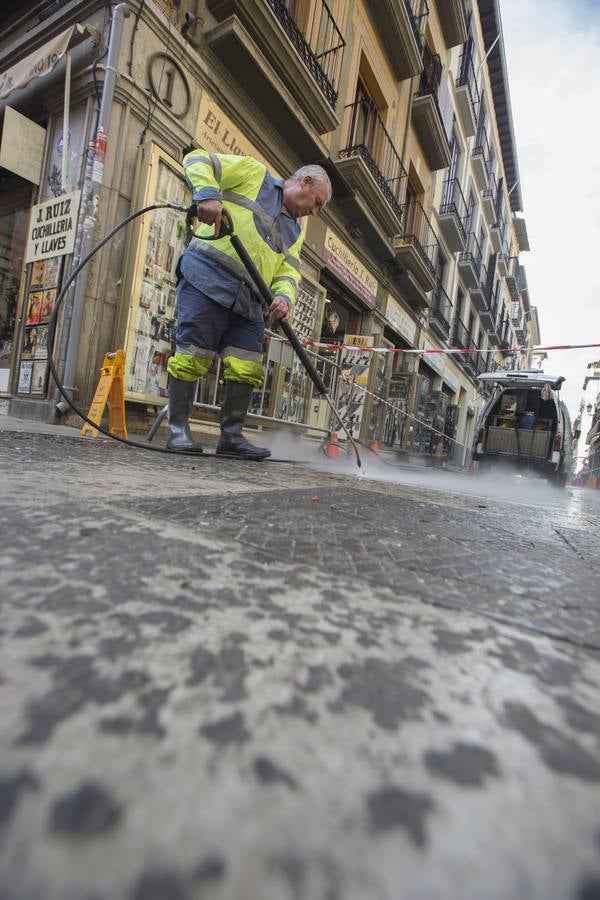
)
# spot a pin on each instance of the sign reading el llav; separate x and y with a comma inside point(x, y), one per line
point(52, 227)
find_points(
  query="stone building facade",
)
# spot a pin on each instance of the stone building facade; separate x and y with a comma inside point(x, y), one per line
point(405, 102)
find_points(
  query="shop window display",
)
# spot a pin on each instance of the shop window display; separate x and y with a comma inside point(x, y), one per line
point(297, 388)
point(14, 216)
point(431, 411)
point(43, 287)
point(152, 314)
point(354, 378)
point(394, 426)
point(381, 369)
point(450, 426)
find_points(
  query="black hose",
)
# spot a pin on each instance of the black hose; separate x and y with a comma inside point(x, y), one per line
point(59, 299)
point(54, 319)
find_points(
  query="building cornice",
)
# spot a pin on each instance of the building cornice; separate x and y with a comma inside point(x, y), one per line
point(491, 26)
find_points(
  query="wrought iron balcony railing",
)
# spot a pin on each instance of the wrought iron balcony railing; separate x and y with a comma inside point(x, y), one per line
point(461, 336)
point(482, 148)
point(431, 74)
point(494, 300)
point(453, 201)
point(441, 306)
point(369, 139)
point(491, 191)
point(500, 224)
point(419, 232)
point(418, 12)
point(317, 39)
point(467, 76)
point(515, 280)
point(473, 252)
point(430, 85)
point(483, 278)
point(517, 316)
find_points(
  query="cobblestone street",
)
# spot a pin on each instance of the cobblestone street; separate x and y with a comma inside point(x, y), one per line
point(234, 681)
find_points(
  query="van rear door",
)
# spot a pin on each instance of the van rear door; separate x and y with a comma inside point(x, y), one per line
point(518, 379)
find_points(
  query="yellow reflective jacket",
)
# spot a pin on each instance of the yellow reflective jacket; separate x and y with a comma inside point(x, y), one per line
point(253, 198)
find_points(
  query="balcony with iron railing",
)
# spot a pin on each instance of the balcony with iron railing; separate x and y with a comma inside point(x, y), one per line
point(461, 335)
point(490, 316)
point(489, 199)
point(440, 312)
point(481, 363)
point(470, 261)
point(427, 116)
point(502, 263)
point(479, 293)
point(288, 57)
point(453, 214)
point(466, 90)
point(371, 164)
point(517, 319)
point(482, 158)
point(417, 250)
point(401, 25)
point(498, 230)
point(506, 335)
point(515, 281)
point(461, 338)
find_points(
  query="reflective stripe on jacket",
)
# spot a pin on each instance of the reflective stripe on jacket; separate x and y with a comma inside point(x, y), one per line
point(254, 198)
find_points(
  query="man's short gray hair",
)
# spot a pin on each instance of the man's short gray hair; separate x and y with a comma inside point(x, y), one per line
point(318, 175)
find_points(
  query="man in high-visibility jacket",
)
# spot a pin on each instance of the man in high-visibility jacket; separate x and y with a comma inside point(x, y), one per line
point(219, 311)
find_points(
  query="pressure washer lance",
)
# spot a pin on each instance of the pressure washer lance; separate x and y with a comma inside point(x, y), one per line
point(227, 229)
point(266, 295)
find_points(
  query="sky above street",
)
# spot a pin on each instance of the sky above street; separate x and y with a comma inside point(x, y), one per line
point(553, 55)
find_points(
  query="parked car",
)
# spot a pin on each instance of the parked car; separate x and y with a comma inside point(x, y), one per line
point(526, 424)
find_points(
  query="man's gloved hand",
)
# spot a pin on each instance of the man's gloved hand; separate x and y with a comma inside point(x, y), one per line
point(207, 211)
point(279, 309)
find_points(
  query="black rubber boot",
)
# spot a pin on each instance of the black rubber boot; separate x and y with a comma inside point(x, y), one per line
point(181, 397)
point(233, 412)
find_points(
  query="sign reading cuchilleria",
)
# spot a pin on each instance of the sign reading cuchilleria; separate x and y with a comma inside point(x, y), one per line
point(52, 227)
point(349, 268)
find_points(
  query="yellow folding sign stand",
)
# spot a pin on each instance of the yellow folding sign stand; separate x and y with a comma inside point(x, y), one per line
point(111, 388)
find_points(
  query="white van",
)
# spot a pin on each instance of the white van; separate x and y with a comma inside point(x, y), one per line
point(525, 424)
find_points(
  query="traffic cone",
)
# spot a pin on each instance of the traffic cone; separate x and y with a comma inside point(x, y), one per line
point(332, 447)
point(373, 451)
point(438, 457)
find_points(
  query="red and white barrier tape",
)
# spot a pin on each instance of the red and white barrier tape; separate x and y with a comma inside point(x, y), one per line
point(361, 348)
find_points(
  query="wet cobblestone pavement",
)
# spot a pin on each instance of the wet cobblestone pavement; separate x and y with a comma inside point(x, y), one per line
point(213, 685)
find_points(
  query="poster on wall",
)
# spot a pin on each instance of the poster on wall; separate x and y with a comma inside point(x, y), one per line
point(25, 372)
point(43, 288)
point(354, 377)
point(297, 387)
point(152, 314)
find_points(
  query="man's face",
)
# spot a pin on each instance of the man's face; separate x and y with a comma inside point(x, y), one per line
point(302, 198)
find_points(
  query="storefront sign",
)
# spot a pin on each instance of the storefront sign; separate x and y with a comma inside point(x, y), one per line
point(22, 147)
point(349, 268)
point(40, 62)
point(215, 131)
point(400, 321)
point(52, 227)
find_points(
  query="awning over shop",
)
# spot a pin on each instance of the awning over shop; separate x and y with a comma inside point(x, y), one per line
point(43, 60)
